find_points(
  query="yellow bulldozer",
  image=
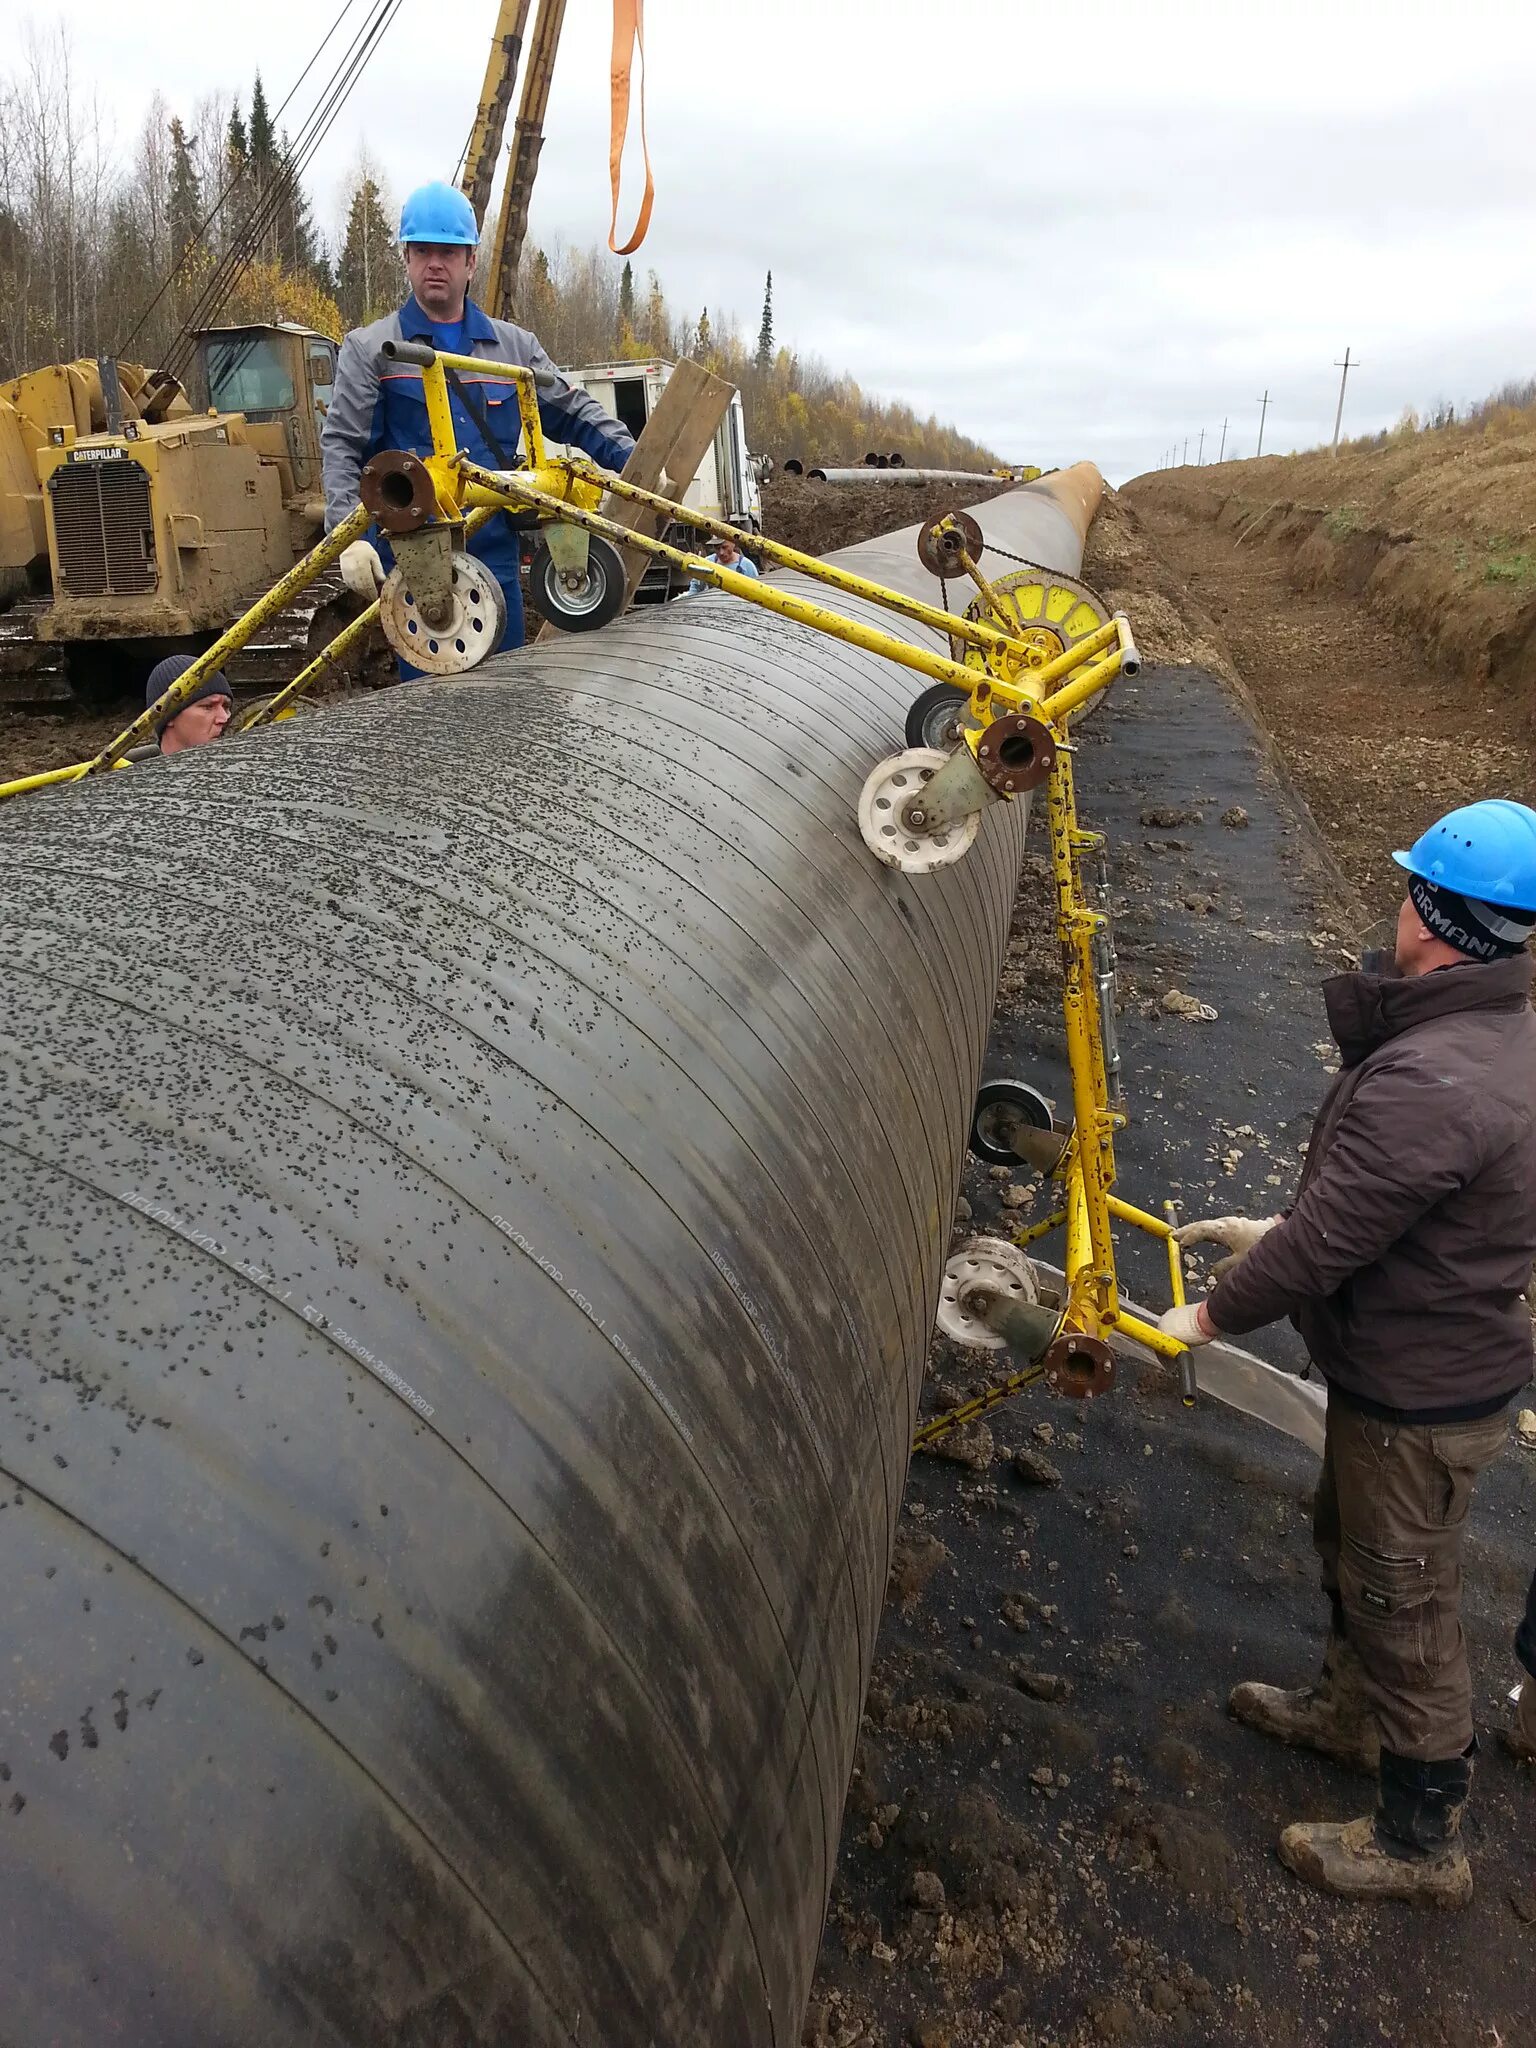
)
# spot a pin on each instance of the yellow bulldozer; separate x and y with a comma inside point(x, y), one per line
point(132, 522)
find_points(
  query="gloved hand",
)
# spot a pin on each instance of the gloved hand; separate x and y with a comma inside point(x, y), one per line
point(1238, 1233)
point(361, 570)
point(1191, 1325)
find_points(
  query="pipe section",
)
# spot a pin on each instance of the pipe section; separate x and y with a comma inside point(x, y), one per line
point(475, 1170)
point(895, 473)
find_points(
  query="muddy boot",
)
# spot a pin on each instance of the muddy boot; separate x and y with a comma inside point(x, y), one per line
point(1520, 1738)
point(1331, 1716)
point(1410, 1850)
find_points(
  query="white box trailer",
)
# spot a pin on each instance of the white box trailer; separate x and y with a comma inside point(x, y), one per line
point(726, 482)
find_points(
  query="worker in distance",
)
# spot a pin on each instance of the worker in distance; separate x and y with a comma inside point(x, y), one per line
point(1404, 1262)
point(372, 409)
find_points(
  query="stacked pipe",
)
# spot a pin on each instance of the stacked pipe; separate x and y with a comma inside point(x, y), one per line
point(476, 1172)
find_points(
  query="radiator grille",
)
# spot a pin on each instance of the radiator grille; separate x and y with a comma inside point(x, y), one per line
point(105, 528)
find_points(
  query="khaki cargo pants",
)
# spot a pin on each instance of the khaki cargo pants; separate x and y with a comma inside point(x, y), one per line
point(1388, 1522)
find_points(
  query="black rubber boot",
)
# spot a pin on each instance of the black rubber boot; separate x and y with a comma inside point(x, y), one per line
point(1410, 1850)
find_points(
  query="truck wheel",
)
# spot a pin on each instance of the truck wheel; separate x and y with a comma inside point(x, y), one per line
point(588, 602)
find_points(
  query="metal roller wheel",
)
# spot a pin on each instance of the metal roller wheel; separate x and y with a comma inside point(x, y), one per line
point(934, 719)
point(979, 1271)
point(1001, 1106)
point(581, 602)
point(940, 553)
point(892, 784)
point(477, 618)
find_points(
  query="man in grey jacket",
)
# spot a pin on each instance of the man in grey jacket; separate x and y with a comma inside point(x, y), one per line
point(372, 409)
point(1404, 1263)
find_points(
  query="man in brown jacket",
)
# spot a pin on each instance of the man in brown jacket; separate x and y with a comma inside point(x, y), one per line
point(1404, 1263)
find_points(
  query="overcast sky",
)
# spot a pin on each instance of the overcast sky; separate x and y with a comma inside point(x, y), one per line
point(1074, 230)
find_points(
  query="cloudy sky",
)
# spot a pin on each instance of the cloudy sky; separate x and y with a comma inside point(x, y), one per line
point(1075, 230)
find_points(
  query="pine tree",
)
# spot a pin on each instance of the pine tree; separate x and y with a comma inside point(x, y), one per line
point(368, 275)
point(656, 322)
point(298, 245)
point(764, 357)
point(264, 164)
point(702, 337)
point(238, 145)
point(627, 297)
point(184, 209)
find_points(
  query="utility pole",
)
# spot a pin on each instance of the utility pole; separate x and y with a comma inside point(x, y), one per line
point(1222, 456)
point(1346, 366)
point(1200, 455)
point(1263, 408)
point(1185, 463)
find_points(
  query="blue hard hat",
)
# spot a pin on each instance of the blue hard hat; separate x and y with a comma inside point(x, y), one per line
point(1486, 851)
point(438, 213)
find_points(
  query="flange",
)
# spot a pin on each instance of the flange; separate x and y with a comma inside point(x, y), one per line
point(942, 541)
point(1016, 753)
point(1079, 1366)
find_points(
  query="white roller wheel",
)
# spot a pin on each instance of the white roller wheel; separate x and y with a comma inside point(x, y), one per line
point(893, 783)
point(986, 1266)
point(473, 629)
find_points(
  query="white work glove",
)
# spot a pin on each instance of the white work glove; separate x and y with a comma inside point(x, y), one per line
point(361, 570)
point(1238, 1233)
point(1190, 1325)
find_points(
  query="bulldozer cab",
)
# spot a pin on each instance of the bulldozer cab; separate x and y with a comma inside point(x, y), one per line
point(277, 376)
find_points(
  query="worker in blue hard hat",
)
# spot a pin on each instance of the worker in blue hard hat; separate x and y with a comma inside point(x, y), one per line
point(1405, 1261)
point(372, 409)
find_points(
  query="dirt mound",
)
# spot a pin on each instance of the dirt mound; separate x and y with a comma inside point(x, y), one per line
point(818, 518)
point(1435, 531)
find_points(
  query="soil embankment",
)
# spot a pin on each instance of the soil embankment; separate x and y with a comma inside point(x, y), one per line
point(1434, 532)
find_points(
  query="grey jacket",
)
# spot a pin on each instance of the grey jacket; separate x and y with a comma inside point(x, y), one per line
point(1406, 1256)
point(371, 410)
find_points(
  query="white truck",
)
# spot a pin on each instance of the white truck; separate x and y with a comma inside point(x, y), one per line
point(726, 483)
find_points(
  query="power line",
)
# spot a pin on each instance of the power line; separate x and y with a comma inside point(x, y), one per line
point(1346, 366)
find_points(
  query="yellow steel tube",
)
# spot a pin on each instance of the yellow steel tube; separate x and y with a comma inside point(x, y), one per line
point(969, 630)
point(1062, 703)
point(486, 487)
point(48, 777)
point(1148, 1334)
point(233, 639)
point(444, 441)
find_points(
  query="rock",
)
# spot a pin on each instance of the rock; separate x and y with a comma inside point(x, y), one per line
point(1165, 1998)
point(1161, 818)
point(930, 2034)
point(1000, 1172)
point(962, 1210)
point(925, 1888)
point(1201, 906)
point(1176, 1004)
point(1035, 1469)
point(1525, 1426)
point(969, 1446)
point(1235, 819)
point(1523, 1906)
point(1045, 1433)
point(1042, 1685)
point(1015, 1197)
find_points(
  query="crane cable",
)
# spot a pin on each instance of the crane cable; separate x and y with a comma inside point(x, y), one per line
point(238, 258)
point(199, 234)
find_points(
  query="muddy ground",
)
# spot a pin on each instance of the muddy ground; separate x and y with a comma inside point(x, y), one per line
point(1056, 1836)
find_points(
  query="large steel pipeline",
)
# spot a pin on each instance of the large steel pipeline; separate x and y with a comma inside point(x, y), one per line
point(474, 1174)
point(868, 475)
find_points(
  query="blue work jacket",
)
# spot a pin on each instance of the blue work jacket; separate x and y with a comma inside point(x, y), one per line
point(376, 406)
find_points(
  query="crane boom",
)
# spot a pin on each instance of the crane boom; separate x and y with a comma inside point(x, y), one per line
point(490, 127)
point(500, 275)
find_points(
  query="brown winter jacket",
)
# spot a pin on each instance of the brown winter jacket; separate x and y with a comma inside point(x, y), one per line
point(1405, 1257)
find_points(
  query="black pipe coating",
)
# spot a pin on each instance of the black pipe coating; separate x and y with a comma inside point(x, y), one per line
point(475, 1169)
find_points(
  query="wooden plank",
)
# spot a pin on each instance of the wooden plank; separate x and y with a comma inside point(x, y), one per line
point(676, 439)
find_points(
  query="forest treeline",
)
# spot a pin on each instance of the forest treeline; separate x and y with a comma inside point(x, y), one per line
point(89, 236)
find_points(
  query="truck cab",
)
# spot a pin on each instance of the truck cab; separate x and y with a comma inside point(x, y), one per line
point(279, 376)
